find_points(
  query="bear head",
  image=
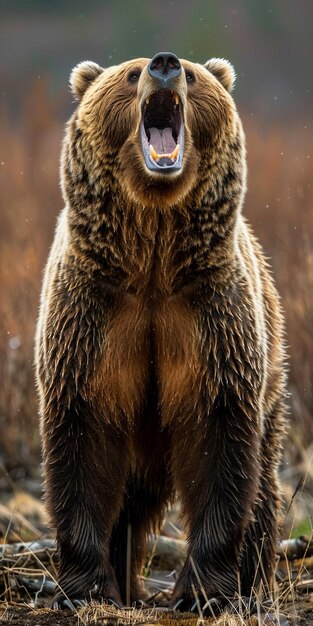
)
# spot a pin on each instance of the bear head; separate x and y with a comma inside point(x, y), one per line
point(150, 127)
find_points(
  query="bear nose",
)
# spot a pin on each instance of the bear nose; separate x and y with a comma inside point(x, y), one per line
point(164, 66)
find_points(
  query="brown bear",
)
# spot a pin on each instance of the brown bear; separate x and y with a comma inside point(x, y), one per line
point(160, 360)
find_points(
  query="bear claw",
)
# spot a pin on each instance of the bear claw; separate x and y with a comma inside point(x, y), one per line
point(211, 608)
point(66, 603)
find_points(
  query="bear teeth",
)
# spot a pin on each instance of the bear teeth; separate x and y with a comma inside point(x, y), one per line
point(175, 153)
point(153, 153)
point(156, 156)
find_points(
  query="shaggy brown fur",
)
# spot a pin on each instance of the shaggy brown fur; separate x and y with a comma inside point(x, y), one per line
point(159, 346)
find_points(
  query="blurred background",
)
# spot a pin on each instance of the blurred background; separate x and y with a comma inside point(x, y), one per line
point(270, 44)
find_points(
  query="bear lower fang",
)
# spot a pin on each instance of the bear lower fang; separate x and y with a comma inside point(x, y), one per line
point(159, 352)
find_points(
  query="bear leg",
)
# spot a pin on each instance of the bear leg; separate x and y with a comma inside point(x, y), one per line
point(258, 554)
point(217, 476)
point(84, 456)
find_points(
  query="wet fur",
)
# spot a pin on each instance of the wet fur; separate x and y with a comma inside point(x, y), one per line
point(159, 352)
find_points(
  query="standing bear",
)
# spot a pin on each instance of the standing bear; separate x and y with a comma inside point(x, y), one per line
point(159, 352)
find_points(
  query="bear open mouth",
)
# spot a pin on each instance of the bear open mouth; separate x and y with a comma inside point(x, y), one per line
point(162, 131)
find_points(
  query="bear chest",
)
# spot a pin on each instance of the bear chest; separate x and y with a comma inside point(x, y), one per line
point(145, 339)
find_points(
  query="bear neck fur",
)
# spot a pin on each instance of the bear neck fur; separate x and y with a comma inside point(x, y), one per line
point(136, 245)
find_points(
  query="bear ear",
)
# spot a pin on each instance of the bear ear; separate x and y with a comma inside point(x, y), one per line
point(223, 71)
point(82, 76)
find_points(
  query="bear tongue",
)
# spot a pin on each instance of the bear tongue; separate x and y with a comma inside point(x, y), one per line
point(162, 140)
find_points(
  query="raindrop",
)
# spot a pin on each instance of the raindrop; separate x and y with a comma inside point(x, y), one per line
point(14, 343)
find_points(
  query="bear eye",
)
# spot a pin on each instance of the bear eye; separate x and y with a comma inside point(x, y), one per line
point(190, 77)
point(133, 76)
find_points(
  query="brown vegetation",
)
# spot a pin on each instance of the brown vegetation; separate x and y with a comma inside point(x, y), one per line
point(278, 205)
point(27, 583)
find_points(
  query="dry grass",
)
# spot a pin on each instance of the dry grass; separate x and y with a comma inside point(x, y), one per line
point(26, 576)
point(278, 204)
point(29, 201)
point(28, 579)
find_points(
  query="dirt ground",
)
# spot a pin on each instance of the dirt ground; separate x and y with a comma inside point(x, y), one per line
point(301, 615)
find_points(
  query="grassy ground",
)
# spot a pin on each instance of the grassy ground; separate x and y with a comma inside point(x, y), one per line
point(28, 573)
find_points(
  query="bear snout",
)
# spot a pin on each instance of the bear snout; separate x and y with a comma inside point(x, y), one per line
point(163, 67)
